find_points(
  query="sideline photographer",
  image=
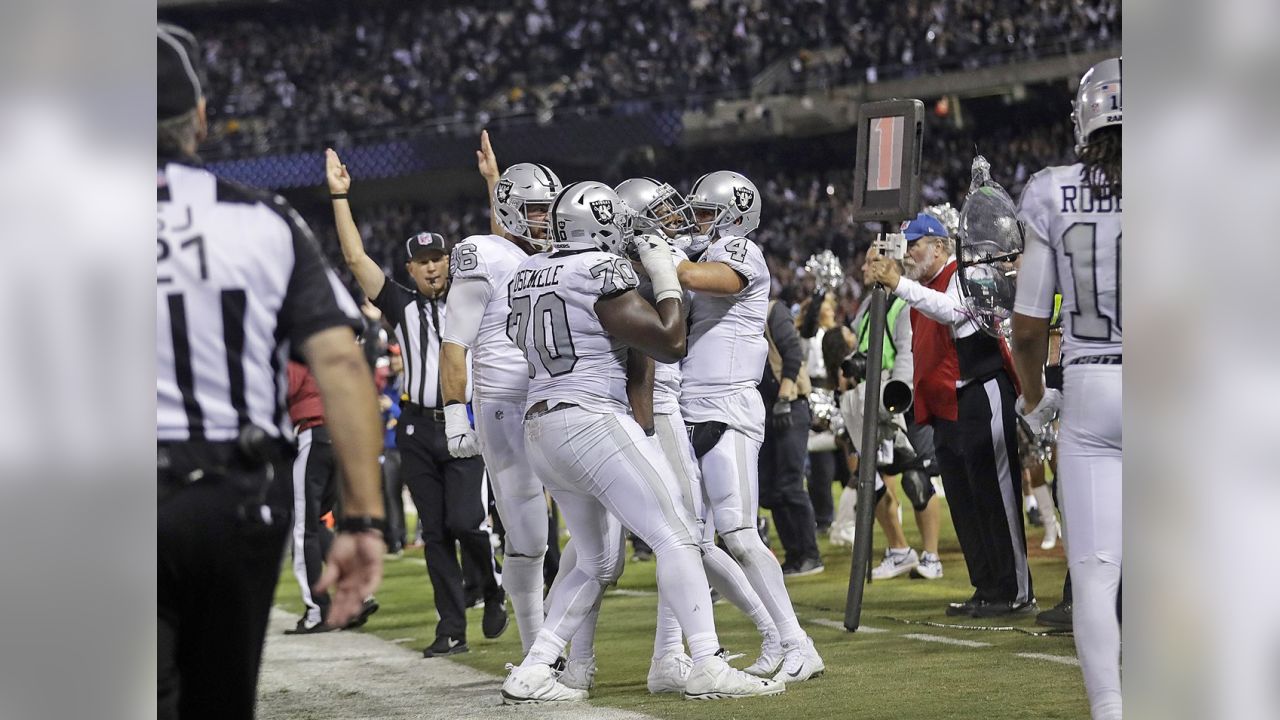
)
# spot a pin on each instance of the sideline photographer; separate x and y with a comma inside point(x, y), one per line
point(906, 449)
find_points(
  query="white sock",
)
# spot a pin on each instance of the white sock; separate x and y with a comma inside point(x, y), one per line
point(667, 638)
point(1095, 584)
point(1028, 503)
point(1044, 498)
point(545, 651)
point(727, 578)
point(522, 579)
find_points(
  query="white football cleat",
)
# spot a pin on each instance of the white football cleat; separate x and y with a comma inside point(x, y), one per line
point(801, 663)
point(536, 684)
point(770, 660)
point(1051, 532)
point(713, 679)
point(579, 674)
point(895, 564)
point(669, 673)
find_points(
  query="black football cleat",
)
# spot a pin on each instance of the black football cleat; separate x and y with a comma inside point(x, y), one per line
point(445, 645)
point(496, 618)
point(963, 609)
point(303, 629)
point(1057, 617)
point(367, 608)
point(1005, 609)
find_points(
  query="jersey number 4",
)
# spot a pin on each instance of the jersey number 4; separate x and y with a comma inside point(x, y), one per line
point(551, 337)
point(1097, 313)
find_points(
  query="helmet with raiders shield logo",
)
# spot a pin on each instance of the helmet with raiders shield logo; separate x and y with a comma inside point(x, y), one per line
point(1098, 102)
point(732, 197)
point(660, 208)
point(526, 189)
point(590, 216)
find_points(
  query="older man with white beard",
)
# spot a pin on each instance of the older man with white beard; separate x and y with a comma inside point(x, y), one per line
point(965, 388)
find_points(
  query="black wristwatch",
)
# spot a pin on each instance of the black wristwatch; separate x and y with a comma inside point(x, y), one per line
point(362, 523)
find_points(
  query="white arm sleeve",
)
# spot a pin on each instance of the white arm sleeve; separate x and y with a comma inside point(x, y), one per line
point(1037, 278)
point(468, 298)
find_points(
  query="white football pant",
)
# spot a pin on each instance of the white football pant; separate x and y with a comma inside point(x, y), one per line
point(600, 466)
point(726, 576)
point(1089, 467)
point(517, 493)
point(731, 481)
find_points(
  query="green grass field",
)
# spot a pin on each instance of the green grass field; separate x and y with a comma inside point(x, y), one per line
point(869, 675)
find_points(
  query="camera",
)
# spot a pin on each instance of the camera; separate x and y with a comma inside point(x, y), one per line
point(854, 366)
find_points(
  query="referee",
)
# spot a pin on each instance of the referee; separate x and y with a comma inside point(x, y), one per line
point(449, 492)
point(240, 282)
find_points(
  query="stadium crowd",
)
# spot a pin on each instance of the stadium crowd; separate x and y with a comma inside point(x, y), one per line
point(289, 74)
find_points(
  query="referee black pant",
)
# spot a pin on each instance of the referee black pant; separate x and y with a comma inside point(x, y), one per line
point(216, 576)
point(449, 494)
point(982, 474)
point(315, 490)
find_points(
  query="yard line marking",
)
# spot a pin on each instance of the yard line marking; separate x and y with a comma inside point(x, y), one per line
point(836, 624)
point(399, 641)
point(946, 640)
point(1061, 659)
point(633, 593)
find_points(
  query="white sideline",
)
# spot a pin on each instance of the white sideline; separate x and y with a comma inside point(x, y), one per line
point(1061, 659)
point(358, 676)
point(836, 624)
point(946, 640)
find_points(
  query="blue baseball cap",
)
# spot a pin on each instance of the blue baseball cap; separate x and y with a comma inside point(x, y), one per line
point(924, 224)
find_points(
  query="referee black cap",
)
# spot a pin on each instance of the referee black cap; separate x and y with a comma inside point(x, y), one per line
point(178, 75)
point(421, 244)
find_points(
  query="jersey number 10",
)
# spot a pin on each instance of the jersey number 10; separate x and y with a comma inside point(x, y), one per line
point(1097, 313)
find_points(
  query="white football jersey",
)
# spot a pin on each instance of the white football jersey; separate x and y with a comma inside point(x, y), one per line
point(1073, 247)
point(553, 320)
point(499, 370)
point(727, 348)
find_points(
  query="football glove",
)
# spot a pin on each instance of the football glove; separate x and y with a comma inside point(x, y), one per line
point(463, 440)
point(1039, 417)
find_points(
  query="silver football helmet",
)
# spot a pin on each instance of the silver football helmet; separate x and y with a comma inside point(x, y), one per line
point(734, 199)
point(1098, 102)
point(525, 189)
point(660, 209)
point(590, 216)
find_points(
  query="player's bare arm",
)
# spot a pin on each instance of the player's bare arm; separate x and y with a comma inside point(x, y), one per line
point(1030, 351)
point(713, 278)
point(365, 270)
point(453, 373)
point(487, 164)
point(640, 370)
point(658, 333)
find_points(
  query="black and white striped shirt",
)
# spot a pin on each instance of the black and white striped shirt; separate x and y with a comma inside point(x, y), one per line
point(239, 281)
point(416, 317)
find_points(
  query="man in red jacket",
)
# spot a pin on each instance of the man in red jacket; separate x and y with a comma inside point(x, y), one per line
point(315, 488)
point(965, 389)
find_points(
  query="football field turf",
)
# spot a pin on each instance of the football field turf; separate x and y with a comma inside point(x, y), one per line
point(901, 667)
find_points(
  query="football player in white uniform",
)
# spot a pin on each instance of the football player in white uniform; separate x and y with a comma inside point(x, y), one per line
point(583, 329)
point(481, 266)
point(660, 210)
point(719, 399)
point(1073, 221)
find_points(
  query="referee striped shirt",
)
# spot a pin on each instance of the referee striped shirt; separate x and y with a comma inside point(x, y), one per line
point(240, 281)
point(418, 321)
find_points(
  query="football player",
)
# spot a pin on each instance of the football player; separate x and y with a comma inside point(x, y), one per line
point(480, 266)
point(585, 333)
point(1073, 225)
point(718, 397)
point(661, 210)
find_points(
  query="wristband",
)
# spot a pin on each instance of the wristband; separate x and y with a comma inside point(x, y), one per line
point(362, 523)
point(337, 196)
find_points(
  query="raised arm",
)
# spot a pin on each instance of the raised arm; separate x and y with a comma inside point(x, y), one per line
point(945, 308)
point(487, 164)
point(365, 270)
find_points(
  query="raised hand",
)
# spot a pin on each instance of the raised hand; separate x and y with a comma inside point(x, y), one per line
point(486, 162)
point(336, 173)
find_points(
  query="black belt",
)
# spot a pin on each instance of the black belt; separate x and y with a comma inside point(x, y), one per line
point(1097, 360)
point(188, 461)
point(415, 410)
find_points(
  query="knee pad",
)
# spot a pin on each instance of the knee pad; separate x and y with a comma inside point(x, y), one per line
point(918, 488)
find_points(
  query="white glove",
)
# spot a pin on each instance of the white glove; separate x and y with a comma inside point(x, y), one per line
point(656, 257)
point(463, 440)
point(1039, 417)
